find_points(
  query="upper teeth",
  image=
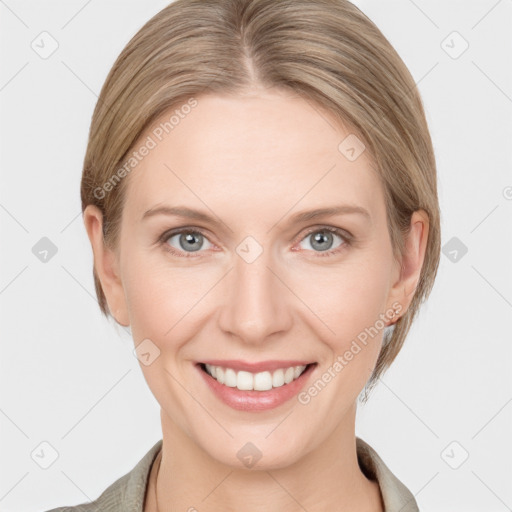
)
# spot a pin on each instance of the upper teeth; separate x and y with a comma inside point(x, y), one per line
point(262, 381)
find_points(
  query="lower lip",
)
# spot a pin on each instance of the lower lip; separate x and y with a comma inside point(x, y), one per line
point(256, 400)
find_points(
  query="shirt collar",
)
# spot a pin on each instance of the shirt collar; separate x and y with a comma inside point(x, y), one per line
point(129, 491)
point(395, 495)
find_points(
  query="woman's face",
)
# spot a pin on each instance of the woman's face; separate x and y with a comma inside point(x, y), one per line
point(248, 282)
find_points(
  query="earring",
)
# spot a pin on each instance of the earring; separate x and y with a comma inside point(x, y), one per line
point(393, 320)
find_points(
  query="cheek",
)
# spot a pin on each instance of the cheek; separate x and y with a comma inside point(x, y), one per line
point(349, 297)
point(161, 300)
point(349, 300)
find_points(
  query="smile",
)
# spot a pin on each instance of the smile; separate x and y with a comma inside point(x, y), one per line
point(255, 387)
point(261, 381)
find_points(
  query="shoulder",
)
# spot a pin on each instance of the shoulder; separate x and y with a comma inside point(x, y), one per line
point(126, 494)
point(395, 495)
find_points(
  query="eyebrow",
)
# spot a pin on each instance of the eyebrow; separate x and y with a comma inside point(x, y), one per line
point(189, 213)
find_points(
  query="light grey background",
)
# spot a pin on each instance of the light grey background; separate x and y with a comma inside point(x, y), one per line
point(69, 377)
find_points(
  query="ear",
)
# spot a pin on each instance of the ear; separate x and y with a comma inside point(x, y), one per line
point(106, 265)
point(403, 289)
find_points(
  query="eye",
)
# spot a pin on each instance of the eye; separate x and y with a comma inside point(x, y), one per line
point(320, 240)
point(185, 241)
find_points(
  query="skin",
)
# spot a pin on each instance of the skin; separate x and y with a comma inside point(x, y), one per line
point(251, 162)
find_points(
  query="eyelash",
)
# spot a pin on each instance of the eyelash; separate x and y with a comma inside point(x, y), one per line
point(344, 235)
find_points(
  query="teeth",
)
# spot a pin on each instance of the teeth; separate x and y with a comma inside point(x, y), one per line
point(262, 381)
point(245, 381)
point(230, 378)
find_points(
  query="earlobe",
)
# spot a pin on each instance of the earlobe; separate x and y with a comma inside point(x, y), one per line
point(106, 265)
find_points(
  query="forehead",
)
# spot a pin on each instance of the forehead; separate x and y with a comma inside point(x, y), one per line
point(268, 148)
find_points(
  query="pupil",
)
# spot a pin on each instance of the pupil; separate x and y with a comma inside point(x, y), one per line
point(321, 237)
point(190, 239)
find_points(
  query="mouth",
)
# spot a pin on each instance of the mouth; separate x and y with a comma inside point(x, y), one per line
point(255, 386)
point(254, 381)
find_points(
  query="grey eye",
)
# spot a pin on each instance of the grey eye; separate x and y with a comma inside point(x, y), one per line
point(322, 240)
point(188, 241)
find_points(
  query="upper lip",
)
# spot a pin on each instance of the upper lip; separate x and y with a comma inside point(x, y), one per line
point(261, 366)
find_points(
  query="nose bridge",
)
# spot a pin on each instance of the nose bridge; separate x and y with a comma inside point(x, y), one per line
point(255, 303)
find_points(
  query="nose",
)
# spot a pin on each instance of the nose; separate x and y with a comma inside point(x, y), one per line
point(257, 304)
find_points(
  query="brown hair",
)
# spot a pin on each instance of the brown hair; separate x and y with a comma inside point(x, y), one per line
point(328, 51)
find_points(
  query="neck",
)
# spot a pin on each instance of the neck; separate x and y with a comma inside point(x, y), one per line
point(326, 478)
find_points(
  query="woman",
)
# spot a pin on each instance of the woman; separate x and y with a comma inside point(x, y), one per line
point(231, 140)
